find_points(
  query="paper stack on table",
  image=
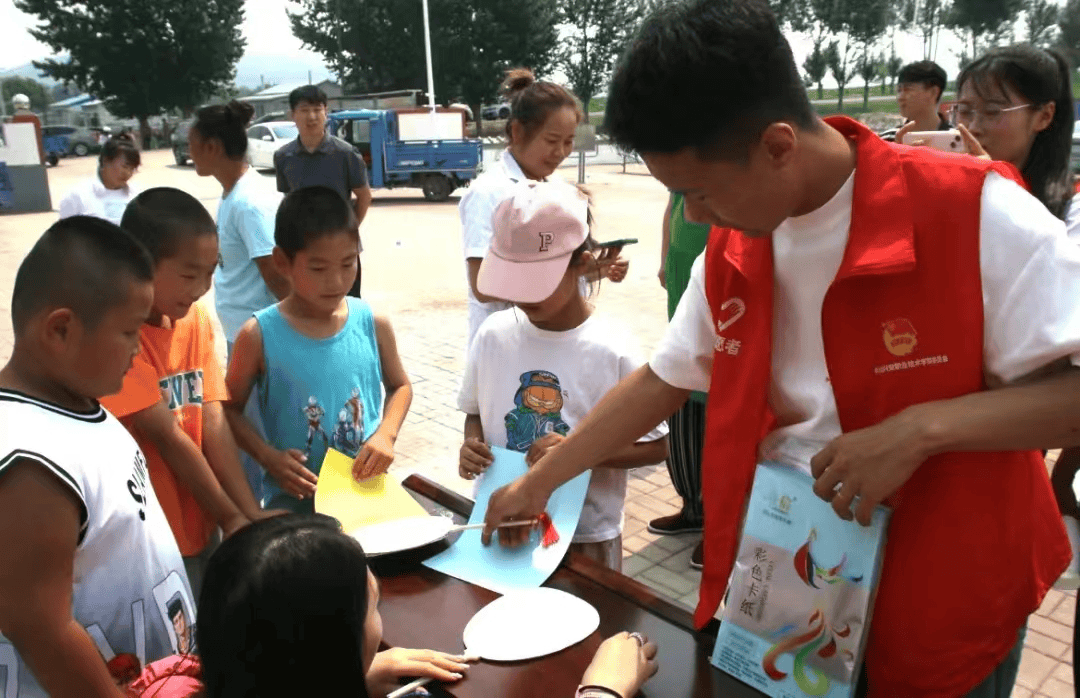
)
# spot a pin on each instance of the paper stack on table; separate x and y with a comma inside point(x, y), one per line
point(508, 569)
point(355, 504)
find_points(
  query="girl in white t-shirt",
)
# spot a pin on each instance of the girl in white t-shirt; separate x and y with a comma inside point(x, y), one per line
point(529, 380)
point(108, 192)
point(540, 133)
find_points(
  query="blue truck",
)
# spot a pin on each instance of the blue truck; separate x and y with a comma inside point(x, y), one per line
point(412, 147)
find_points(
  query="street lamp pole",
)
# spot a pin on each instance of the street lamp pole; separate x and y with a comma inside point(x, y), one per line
point(427, 49)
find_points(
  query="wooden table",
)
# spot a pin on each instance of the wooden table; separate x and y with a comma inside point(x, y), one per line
point(427, 609)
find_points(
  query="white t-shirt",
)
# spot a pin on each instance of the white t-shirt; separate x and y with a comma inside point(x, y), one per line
point(92, 198)
point(129, 578)
point(514, 367)
point(1072, 220)
point(1031, 288)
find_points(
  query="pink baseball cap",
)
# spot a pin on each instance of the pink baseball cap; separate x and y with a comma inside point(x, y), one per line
point(535, 232)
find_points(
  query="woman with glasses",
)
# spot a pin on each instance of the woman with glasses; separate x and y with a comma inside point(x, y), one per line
point(1015, 104)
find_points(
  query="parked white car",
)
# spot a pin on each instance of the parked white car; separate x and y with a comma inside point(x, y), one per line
point(265, 139)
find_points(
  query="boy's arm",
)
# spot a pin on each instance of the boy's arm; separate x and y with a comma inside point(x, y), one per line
point(159, 426)
point(39, 531)
point(378, 451)
point(608, 426)
point(638, 454)
point(223, 456)
point(246, 365)
point(475, 454)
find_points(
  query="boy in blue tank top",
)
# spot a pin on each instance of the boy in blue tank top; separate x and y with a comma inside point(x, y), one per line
point(326, 368)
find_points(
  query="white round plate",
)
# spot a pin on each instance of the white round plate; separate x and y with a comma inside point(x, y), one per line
point(401, 534)
point(528, 624)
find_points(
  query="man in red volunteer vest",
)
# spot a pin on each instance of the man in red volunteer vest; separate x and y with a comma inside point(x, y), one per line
point(900, 324)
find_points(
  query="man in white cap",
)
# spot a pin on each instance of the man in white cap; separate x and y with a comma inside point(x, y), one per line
point(21, 104)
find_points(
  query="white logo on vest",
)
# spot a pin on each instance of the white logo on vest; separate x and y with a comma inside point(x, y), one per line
point(731, 310)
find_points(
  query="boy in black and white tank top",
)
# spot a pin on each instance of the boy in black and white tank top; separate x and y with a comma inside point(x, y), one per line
point(92, 586)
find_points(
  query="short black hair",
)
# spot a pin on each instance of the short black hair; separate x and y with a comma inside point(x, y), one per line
point(727, 66)
point(81, 263)
point(121, 146)
point(228, 124)
point(175, 607)
point(307, 214)
point(161, 217)
point(927, 73)
point(308, 93)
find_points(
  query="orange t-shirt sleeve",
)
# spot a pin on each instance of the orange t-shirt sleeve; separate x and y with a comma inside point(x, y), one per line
point(140, 391)
point(214, 389)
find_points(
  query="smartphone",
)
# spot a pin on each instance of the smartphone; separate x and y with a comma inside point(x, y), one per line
point(945, 141)
point(616, 243)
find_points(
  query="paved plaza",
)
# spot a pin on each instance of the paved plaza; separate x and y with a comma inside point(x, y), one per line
point(413, 270)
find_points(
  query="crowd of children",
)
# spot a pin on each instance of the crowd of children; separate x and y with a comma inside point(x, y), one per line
point(131, 538)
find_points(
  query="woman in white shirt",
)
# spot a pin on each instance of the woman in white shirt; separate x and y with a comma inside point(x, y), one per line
point(107, 194)
point(543, 118)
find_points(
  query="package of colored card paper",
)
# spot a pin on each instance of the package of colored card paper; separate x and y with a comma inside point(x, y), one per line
point(801, 593)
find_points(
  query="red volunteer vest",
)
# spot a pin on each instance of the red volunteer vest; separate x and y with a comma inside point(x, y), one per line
point(975, 540)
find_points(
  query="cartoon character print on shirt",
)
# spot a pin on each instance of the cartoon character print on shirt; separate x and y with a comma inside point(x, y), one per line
point(537, 412)
point(174, 604)
point(314, 414)
point(349, 430)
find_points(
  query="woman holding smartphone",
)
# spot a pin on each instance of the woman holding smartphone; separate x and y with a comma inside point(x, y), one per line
point(540, 134)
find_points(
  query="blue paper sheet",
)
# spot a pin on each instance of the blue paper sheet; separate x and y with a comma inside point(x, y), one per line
point(508, 569)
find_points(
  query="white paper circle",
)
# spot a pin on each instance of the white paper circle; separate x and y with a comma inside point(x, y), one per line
point(401, 534)
point(529, 623)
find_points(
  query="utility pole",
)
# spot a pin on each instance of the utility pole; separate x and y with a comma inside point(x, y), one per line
point(427, 49)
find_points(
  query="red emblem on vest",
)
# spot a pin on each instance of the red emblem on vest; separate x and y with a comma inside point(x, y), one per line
point(900, 336)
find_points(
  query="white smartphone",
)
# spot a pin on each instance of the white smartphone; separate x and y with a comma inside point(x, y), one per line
point(945, 141)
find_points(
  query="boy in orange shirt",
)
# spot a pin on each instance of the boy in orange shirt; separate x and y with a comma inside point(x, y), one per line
point(171, 398)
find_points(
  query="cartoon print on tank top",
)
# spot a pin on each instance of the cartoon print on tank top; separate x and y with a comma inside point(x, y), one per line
point(537, 412)
point(314, 414)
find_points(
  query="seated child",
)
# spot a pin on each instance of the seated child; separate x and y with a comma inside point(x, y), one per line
point(171, 399)
point(87, 560)
point(320, 360)
point(528, 383)
point(288, 578)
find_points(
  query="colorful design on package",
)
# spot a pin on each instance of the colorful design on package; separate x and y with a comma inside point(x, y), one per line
point(812, 681)
point(809, 571)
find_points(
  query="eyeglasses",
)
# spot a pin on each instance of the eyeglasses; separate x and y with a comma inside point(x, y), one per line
point(961, 113)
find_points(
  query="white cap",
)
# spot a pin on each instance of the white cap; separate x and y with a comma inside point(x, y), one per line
point(20, 100)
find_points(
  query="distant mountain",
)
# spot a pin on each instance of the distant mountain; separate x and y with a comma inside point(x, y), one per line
point(253, 71)
point(28, 70)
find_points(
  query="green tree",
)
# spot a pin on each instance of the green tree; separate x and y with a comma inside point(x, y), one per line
point(595, 32)
point(38, 93)
point(376, 45)
point(868, 68)
point(892, 68)
point(1069, 30)
point(840, 60)
point(142, 57)
point(816, 66)
point(926, 19)
point(1040, 22)
point(983, 19)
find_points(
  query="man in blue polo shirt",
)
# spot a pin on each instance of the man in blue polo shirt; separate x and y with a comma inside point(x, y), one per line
point(316, 158)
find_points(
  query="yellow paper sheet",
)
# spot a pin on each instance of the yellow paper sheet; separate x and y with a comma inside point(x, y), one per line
point(356, 504)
